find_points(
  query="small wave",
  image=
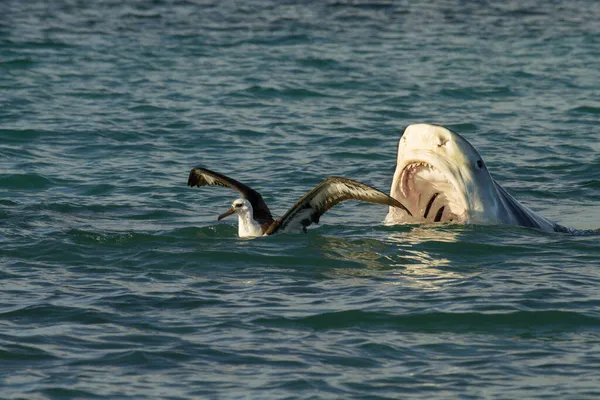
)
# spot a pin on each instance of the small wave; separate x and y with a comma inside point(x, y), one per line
point(585, 110)
point(147, 108)
point(43, 44)
point(363, 5)
point(83, 237)
point(58, 392)
point(71, 208)
point(464, 127)
point(273, 40)
point(360, 142)
point(21, 135)
point(177, 235)
point(478, 92)
point(269, 92)
point(592, 184)
point(324, 63)
point(99, 189)
point(41, 313)
point(14, 352)
point(25, 181)
point(563, 321)
point(18, 63)
point(10, 203)
point(346, 155)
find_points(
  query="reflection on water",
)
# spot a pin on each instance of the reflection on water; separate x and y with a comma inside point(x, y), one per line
point(412, 255)
point(422, 266)
point(369, 252)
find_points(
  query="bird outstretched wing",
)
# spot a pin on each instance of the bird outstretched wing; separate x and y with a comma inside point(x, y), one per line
point(206, 177)
point(324, 196)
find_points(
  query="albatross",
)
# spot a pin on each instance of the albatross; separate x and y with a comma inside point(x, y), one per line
point(255, 219)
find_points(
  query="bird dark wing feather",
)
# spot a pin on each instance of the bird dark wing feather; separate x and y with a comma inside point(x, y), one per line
point(324, 196)
point(203, 177)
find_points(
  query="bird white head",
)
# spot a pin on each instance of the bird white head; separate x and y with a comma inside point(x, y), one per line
point(241, 207)
point(248, 227)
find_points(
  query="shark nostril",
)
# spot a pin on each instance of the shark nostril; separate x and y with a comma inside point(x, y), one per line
point(442, 142)
point(480, 163)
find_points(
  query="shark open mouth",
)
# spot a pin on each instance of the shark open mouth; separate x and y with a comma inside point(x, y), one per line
point(429, 195)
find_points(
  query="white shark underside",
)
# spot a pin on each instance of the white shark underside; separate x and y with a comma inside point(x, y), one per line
point(440, 177)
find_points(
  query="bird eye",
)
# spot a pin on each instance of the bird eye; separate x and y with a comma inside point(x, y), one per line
point(480, 163)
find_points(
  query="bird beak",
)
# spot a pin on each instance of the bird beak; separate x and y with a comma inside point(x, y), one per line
point(226, 214)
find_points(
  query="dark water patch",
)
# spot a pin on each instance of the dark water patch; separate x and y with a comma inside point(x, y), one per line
point(47, 44)
point(99, 189)
point(213, 231)
point(377, 6)
point(154, 214)
point(250, 133)
point(142, 15)
point(139, 304)
point(25, 181)
point(592, 184)
point(87, 94)
point(147, 109)
point(505, 323)
point(22, 135)
point(346, 155)
point(360, 142)
point(322, 63)
point(521, 11)
point(189, 235)
point(326, 141)
point(48, 313)
point(471, 93)
point(10, 353)
point(464, 127)
point(68, 393)
point(286, 93)
point(179, 125)
point(8, 203)
point(82, 208)
point(585, 110)
point(278, 40)
point(19, 63)
point(391, 113)
point(143, 359)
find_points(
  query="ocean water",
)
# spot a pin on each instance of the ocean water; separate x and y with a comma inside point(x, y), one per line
point(117, 282)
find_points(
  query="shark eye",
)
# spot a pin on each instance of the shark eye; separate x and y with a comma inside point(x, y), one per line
point(480, 163)
point(238, 205)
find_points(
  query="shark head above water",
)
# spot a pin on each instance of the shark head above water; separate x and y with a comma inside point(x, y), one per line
point(440, 177)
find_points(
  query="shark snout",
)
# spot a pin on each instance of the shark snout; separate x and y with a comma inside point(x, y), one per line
point(425, 137)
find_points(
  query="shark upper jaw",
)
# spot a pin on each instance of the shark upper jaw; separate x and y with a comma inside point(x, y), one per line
point(440, 177)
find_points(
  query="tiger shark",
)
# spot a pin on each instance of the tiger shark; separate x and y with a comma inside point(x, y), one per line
point(440, 177)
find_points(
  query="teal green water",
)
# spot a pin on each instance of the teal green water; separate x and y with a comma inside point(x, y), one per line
point(116, 281)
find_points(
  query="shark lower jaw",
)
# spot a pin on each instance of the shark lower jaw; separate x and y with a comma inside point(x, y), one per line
point(429, 194)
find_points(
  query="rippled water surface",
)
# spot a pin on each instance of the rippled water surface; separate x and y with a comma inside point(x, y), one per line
point(116, 281)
